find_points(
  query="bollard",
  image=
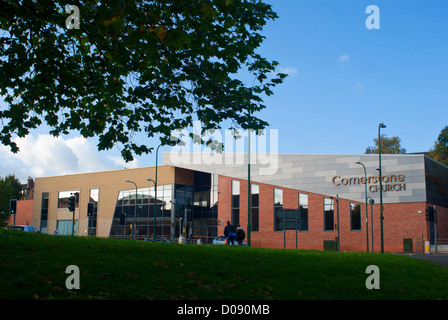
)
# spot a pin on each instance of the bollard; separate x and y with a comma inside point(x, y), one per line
point(427, 247)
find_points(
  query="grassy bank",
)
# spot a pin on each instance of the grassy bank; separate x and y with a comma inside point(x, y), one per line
point(32, 266)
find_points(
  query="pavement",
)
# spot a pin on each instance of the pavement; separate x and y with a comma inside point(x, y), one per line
point(441, 259)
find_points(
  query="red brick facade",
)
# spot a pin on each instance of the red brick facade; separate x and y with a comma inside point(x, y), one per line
point(24, 214)
point(401, 221)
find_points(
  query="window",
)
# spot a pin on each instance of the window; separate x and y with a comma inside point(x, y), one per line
point(328, 214)
point(355, 216)
point(205, 212)
point(303, 211)
point(63, 198)
point(65, 227)
point(255, 200)
point(44, 212)
point(278, 197)
point(94, 195)
point(235, 203)
point(278, 204)
point(126, 208)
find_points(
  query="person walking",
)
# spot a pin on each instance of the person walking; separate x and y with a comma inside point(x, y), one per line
point(240, 235)
point(229, 233)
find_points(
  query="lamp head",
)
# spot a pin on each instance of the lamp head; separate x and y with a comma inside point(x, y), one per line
point(358, 162)
point(149, 179)
point(382, 125)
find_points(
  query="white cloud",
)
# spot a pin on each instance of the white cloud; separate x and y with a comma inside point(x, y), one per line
point(39, 156)
point(291, 71)
point(45, 155)
point(343, 58)
point(358, 86)
point(119, 162)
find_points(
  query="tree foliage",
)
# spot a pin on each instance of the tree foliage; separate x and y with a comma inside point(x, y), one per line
point(10, 188)
point(440, 150)
point(388, 146)
point(132, 66)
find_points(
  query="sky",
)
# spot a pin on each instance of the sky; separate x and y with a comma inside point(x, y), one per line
point(344, 79)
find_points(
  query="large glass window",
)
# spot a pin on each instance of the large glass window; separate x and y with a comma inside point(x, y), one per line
point(44, 212)
point(328, 214)
point(183, 200)
point(122, 225)
point(355, 216)
point(93, 197)
point(278, 204)
point(235, 203)
point(172, 201)
point(205, 208)
point(255, 200)
point(303, 212)
point(63, 198)
point(65, 227)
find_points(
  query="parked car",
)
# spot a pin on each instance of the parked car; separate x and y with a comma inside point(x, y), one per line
point(24, 228)
point(222, 239)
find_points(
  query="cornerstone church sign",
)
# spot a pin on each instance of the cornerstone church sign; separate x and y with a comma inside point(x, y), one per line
point(390, 182)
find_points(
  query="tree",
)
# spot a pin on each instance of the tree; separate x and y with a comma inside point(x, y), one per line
point(388, 145)
point(440, 150)
point(123, 67)
point(10, 188)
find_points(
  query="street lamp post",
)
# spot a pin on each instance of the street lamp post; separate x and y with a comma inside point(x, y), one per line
point(249, 198)
point(249, 225)
point(371, 201)
point(367, 221)
point(155, 192)
point(381, 125)
point(155, 208)
point(134, 227)
point(337, 219)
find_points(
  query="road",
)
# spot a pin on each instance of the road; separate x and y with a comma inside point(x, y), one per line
point(441, 259)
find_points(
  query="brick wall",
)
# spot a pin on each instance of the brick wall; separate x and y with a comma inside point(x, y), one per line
point(24, 214)
point(401, 221)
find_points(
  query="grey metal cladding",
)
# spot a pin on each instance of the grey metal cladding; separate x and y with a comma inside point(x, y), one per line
point(404, 176)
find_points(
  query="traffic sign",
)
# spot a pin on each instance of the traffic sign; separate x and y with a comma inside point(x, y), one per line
point(288, 213)
point(289, 218)
point(290, 224)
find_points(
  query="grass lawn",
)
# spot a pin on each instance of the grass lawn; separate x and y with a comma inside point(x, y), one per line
point(32, 266)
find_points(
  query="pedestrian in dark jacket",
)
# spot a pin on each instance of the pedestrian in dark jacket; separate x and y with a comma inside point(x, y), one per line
point(229, 233)
point(240, 235)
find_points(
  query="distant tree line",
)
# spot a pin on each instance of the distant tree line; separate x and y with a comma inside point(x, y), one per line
point(440, 150)
point(10, 188)
point(392, 145)
point(388, 145)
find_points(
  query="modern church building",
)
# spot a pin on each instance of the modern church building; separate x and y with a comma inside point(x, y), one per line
point(326, 201)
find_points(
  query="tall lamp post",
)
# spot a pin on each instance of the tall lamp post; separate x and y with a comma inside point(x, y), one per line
point(155, 208)
point(155, 192)
point(367, 221)
point(381, 125)
point(134, 227)
point(371, 201)
point(249, 197)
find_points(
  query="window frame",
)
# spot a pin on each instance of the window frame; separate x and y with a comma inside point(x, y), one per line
point(328, 214)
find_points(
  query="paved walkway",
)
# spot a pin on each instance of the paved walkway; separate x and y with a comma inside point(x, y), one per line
point(441, 259)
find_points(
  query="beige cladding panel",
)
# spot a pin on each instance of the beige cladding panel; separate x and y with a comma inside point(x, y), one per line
point(109, 184)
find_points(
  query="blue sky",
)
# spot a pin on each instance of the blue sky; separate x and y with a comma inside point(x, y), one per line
point(347, 78)
point(344, 80)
